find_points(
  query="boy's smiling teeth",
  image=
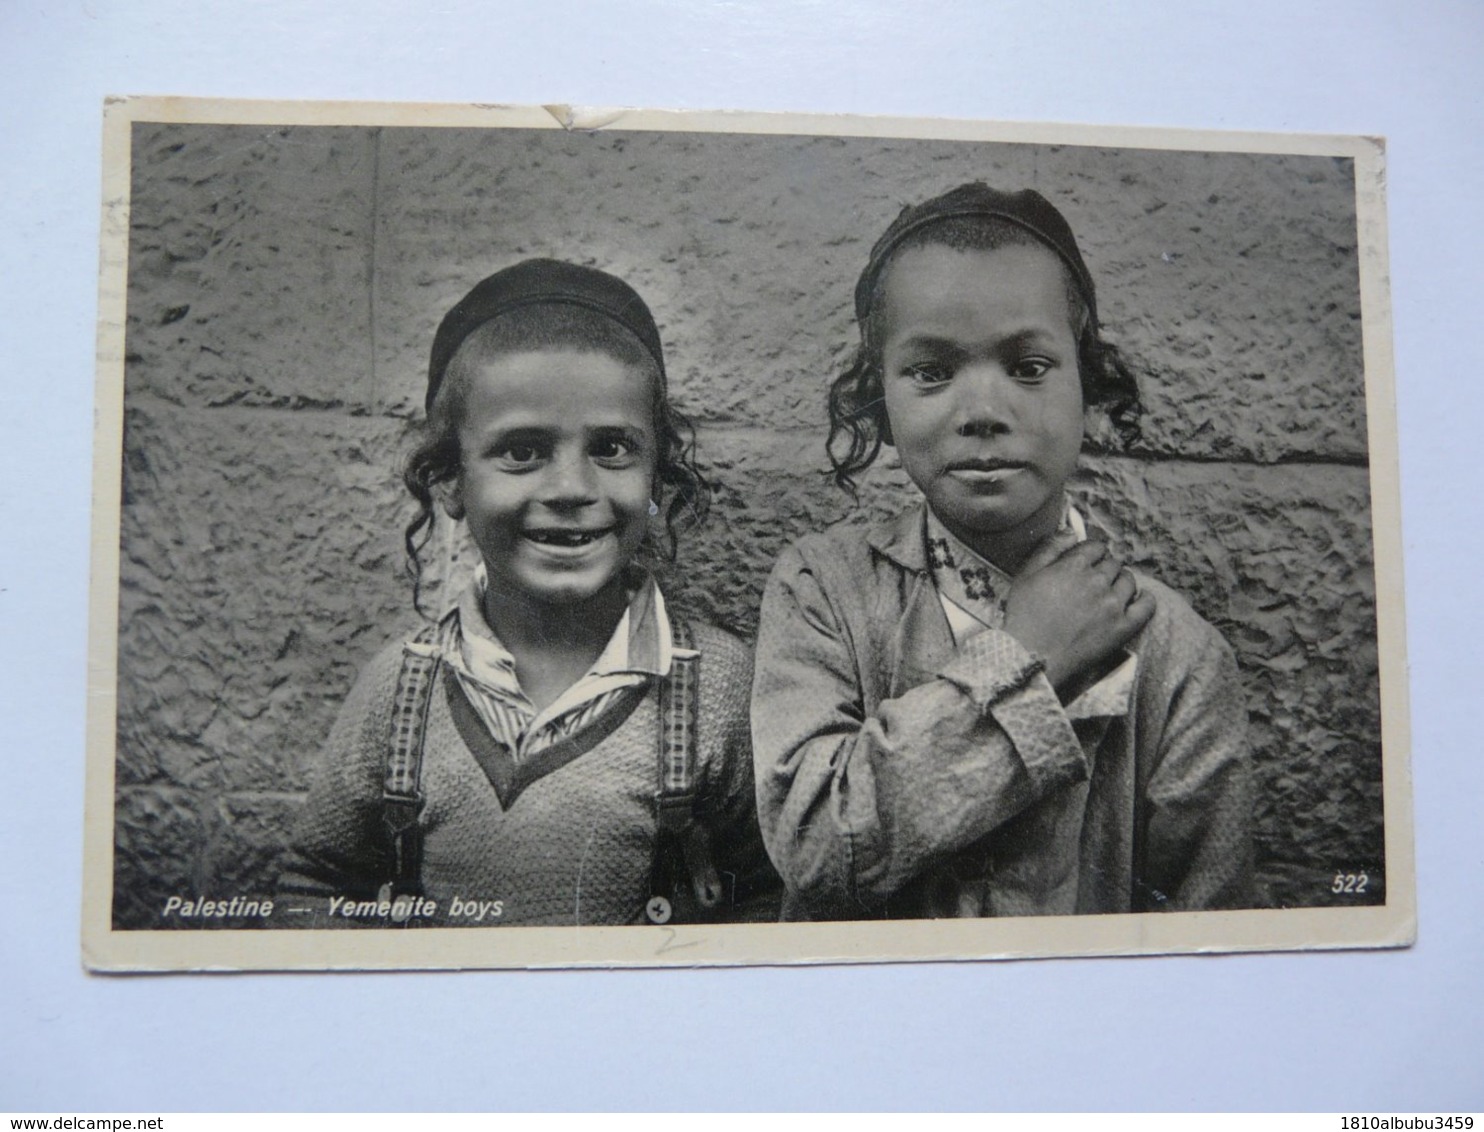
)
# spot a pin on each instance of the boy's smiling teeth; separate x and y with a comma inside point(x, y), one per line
point(565, 537)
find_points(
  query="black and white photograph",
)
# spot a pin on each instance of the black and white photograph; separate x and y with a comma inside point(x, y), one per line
point(540, 537)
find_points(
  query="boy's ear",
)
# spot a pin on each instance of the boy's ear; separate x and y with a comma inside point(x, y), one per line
point(450, 496)
point(883, 422)
point(1097, 428)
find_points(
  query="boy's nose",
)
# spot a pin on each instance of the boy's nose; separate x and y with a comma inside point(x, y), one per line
point(571, 480)
point(982, 401)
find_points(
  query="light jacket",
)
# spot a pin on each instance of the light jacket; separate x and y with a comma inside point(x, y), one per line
point(899, 776)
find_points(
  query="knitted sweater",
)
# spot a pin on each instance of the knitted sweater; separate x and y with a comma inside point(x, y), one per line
point(901, 776)
point(573, 841)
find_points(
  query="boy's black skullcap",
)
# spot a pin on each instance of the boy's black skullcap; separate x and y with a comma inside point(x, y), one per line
point(1026, 209)
point(535, 282)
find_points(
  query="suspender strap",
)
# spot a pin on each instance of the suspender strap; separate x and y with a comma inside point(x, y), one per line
point(684, 874)
point(677, 746)
point(401, 791)
point(683, 846)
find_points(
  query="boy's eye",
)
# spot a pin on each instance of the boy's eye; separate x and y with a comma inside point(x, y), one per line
point(611, 448)
point(928, 373)
point(614, 448)
point(519, 453)
point(1029, 369)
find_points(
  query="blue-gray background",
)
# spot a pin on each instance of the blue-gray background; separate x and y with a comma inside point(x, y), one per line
point(1357, 1032)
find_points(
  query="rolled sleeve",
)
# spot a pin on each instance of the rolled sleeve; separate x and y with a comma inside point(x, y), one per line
point(1009, 684)
point(855, 799)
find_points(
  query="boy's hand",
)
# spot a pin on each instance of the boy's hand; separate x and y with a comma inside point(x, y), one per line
point(1074, 610)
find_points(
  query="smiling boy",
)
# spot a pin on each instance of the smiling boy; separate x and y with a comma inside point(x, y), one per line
point(556, 750)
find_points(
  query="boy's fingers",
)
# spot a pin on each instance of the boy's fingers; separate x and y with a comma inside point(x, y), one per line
point(1098, 560)
point(1090, 555)
point(1043, 557)
point(1125, 589)
point(1093, 549)
point(1140, 610)
point(1110, 567)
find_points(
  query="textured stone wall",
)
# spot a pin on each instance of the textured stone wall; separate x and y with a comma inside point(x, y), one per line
point(284, 287)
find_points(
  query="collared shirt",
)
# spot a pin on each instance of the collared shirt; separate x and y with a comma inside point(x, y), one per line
point(639, 650)
point(973, 590)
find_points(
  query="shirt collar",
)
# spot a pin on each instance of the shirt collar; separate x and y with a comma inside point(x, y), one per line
point(972, 582)
point(641, 643)
point(903, 538)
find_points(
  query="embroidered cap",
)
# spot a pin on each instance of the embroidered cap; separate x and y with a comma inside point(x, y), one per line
point(1026, 209)
point(535, 282)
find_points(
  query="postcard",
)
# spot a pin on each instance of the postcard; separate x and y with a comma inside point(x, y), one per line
point(556, 536)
